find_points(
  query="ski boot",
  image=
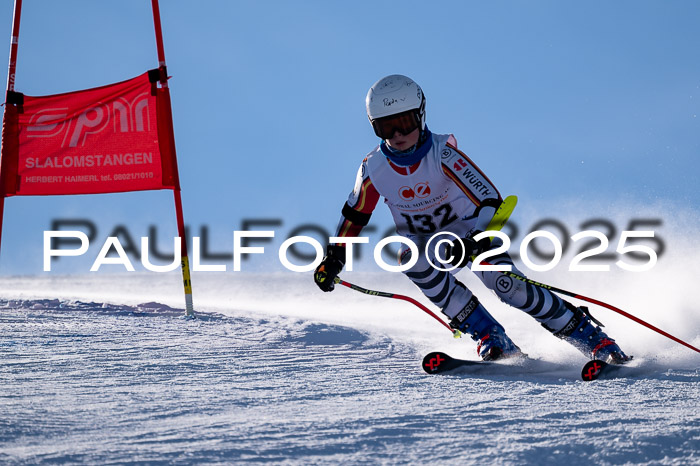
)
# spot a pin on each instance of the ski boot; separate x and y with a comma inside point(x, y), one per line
point(583, 333)
point(475, 321)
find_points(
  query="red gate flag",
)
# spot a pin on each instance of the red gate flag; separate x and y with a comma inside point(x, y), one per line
point(113, 138)
point(108, 139)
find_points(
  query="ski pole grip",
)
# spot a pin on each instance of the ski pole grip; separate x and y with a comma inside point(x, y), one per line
point(321, 276)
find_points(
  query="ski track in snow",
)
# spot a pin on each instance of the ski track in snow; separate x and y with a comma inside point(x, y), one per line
point(94, 382)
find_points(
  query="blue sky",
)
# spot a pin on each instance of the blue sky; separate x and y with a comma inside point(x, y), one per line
point(555, 100)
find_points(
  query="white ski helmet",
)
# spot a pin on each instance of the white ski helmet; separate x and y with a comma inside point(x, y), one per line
point(394, 95)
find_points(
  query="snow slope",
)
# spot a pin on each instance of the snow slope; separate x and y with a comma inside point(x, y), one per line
point(274, 371)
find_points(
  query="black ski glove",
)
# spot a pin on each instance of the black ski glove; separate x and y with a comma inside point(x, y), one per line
point(464, 249)
point(330, 267)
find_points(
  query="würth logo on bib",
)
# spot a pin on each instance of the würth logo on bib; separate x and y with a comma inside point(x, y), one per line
point(420, 191)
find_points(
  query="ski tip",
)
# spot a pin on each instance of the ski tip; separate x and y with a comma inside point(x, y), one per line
point(435, 362)
point(592, 370)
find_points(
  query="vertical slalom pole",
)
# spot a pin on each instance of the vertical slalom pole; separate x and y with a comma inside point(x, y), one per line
point(12, 68)
point(186, 280)
point(14, 42)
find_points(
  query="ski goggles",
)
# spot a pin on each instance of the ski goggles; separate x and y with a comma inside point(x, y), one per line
point(404, 123)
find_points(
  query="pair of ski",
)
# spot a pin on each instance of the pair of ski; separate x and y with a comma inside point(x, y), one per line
point(435, 363)
point(438, 362)
point(441, 363)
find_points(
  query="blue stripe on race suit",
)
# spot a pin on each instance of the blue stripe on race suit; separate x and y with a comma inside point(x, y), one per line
point(419, 275)
point(443, 293)
point(432, 283)
point(436, 288)
point(530, 297)
point(538, 302)
point(557, 310)
point(449, 297)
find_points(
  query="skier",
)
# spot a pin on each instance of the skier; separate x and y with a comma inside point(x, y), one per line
point(431, 186)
